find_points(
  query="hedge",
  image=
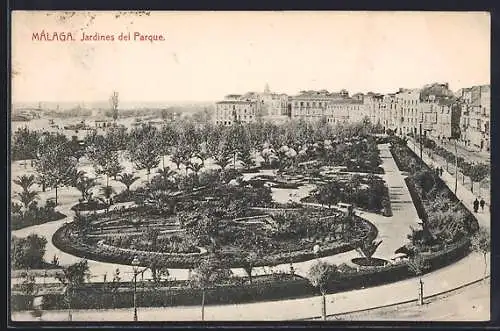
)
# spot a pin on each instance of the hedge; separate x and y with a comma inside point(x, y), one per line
point(101, 296)
point(18, 222)
point(263, 288)
point(470, 220)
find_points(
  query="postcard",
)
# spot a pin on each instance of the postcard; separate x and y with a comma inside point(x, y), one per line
point(250, 166)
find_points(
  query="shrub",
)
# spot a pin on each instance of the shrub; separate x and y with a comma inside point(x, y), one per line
point(34, 215)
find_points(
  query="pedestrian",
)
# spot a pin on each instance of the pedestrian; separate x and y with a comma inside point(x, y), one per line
point(482, 203)
point(476, 205)
point(441, 171)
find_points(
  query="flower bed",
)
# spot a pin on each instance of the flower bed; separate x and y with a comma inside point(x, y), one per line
point(89, 206)
point(65, 240)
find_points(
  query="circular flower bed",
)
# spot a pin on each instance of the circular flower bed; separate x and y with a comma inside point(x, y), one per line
point(279, 236)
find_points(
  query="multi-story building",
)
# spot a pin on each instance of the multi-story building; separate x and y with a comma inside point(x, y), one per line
point(407, 111)
point(344, 111)
point(312, 105)
point(475, 117)
point(229, 111)
point(250, 106)
point(479, 114)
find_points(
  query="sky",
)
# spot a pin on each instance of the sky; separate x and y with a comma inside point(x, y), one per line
point(206, 55)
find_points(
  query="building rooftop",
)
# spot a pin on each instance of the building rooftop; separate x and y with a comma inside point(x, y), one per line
point(347, 101)
point(318, 94)
point(235, 102)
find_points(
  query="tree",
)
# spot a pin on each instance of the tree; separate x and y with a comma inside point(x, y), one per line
point(103, 156)
point(252, 249)
point(114, 105)
point(27, 198)
point(481, 243)
point(143, 147)
point(328, 194)
point(28, 286)
point(24, 144)
point(117, 137)
point(246, 157)
point(28, 252)
point(477, 173)
point(321, 275)
point(85, 184)
point(107, 192)
point(222, 155)
point(205, 226)
point(127, 179)
point(73, 277)
point(418, 265)
point(55, 163)
point(236, 141)
point(25, 181)
point(208, 273)
point(168, 139)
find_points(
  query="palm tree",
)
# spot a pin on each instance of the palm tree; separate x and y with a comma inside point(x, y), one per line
point(368, 247)
point(166, 173)
point(107, 192)
point(196, 167)
point(84, 185)
point(127, 179)
point(27, 198)
point(25, 181)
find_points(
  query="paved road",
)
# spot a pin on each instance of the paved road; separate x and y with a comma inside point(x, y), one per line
point(481, 189)
point(471, 303)
point(464, 271)
point(475, 156)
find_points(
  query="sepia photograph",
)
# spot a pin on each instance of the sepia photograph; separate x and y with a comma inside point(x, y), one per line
point(249, 166)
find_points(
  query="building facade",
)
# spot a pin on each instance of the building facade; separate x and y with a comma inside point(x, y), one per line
point(407, 113)
point(433, 108)
point(228, 112)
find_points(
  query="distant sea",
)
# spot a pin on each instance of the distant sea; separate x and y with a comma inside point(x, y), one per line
point(50, 105)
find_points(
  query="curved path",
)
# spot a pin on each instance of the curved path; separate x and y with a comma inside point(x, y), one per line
point(466, 270)
point(391, 230)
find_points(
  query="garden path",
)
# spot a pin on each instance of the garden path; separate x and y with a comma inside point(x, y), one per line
point(392, 230)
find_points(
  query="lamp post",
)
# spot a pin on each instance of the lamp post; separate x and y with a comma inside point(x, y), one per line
point(135, 265)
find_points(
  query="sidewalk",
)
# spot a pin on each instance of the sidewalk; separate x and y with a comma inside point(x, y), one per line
point(463, 193)
point(469, 269)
